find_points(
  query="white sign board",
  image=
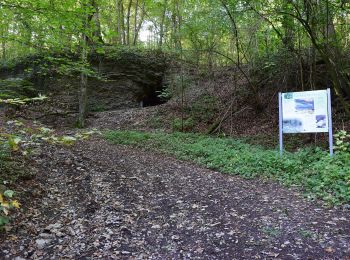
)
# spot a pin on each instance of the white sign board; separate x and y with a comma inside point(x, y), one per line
point(305, 112)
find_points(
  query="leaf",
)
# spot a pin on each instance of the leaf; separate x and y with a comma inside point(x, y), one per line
point(45, 130)
point(4, 220)
point(9, 193)
point(16, 204)
point(13, 142)
point(68, 140)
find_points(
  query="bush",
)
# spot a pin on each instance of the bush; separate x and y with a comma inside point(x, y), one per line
point(313, 170)
point(187, 124)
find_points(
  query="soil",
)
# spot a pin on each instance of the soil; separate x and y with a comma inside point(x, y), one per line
point(97, 200)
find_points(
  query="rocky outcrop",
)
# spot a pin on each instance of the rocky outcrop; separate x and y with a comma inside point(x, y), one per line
point(124, 78)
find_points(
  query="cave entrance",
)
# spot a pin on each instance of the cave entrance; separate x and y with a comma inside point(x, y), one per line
point(152, 99)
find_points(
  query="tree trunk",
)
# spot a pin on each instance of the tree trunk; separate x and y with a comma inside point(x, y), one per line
point(128, 23)
point(3, 45)
point(161, 33)
point(235, 30)
point(120, 22)
point(83, 87)
point(83, 76)
point(288, 28)
point(96, 17)
point(135, 21)
point(139, 26)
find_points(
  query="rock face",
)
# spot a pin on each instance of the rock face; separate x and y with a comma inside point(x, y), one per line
point(127, 78)
point(130, 78)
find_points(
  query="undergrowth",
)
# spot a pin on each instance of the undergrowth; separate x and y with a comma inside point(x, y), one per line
point(312, 169)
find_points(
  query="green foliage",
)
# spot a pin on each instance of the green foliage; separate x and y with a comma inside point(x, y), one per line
point(165, 94)
point(187, 124)
point(21, 101)
point(98, 107)
point(7, 203)
point(342, 141)
point(16, 88)
point(204, 109)
point(313, 170)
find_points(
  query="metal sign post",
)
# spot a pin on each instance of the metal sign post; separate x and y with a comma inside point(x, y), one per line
point(330, 122)
point(280, 111)
point(305, 112)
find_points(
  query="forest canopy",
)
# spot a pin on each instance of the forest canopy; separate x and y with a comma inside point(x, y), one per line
point(292, 38)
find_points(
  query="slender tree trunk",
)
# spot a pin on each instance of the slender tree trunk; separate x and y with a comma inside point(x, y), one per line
point(161, 33)
point(3, 45)
point(176, 24)
point(128, 23)
point(120, 22)
point(139, 25)
point(135, 21)
point(87, 4)
point(83, 86)
point(97, 32)
point(235, 29)
point(288, 28)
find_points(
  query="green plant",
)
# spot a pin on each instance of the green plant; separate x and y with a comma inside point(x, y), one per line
point(165, 93)
point(204, 109)
point(16, 88)
point(98, 108)
point(342, 141)
point(7, 203)
point(306, 233)
point(22, 101)
point(271, 231)
point(185, 125)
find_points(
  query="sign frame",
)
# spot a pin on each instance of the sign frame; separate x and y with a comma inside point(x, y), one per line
point(330, 123)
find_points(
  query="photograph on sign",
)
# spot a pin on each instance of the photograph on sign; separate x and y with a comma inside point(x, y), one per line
point(305, 112)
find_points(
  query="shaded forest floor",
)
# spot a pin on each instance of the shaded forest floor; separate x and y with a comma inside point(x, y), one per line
point(94, 200)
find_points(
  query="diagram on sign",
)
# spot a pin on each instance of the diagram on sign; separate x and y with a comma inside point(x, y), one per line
point(305, 112)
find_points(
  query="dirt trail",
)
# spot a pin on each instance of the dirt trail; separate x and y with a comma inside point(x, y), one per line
point(115, 202)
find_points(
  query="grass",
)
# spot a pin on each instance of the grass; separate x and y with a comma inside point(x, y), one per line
point(312, 169)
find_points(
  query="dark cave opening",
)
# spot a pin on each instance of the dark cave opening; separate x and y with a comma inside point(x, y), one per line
point(152, 100)
point(151, 96)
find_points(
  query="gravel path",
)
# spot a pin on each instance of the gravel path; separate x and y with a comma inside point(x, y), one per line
point(112, 202)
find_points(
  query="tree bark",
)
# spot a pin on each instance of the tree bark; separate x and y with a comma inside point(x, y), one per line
point(3, 44)
point(128, 23)
point(96, 17)
point(161, 33)
point(83, 87)
point(139, 25)
point(84, 49)
point(120, 22)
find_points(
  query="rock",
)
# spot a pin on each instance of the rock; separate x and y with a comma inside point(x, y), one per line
point(59, 234)
point(156, 227)
point(175, 237)
point(53, 226)
point(68, 162)
point(71, 231)
point(42, 243)
point(45, 235)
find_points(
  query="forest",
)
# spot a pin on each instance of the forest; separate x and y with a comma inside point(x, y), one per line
point(150, 129)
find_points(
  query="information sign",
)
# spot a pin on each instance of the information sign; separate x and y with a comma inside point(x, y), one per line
point(305, 112)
